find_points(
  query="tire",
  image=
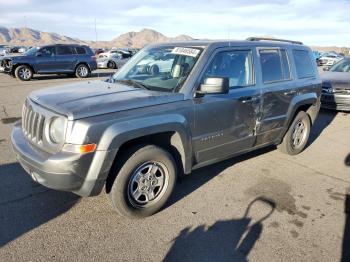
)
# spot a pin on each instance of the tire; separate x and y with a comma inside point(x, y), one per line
point(24, 73)
point(154, 70)
point(145, 172)
point(111, 65)
point(295, 140)
point(82, 71)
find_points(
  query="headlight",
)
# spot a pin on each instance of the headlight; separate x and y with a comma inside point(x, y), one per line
point(57, 129)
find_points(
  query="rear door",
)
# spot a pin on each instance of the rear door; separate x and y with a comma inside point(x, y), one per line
point(225, 123)
point(278, 89)
point(66, 58)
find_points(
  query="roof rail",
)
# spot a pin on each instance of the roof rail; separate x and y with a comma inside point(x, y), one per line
point(273, 39)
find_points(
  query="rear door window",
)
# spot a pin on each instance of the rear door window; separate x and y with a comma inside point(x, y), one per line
point(65, 50)
point(303, 64)
point(274, 65)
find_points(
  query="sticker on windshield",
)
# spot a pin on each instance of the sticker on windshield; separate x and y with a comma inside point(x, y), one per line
point(185, 51)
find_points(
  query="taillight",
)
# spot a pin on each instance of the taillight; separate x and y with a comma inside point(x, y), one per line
point(93, 58)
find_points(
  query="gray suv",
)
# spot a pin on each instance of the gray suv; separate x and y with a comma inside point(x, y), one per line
point(203, 102)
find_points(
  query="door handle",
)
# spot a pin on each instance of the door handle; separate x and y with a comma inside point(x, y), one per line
point(290, 93)
point(249, 99)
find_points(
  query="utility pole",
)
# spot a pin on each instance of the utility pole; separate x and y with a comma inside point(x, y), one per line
point(95, 31)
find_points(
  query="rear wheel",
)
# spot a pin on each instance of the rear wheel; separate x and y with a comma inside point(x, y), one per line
point(24, 73)
point(144, 181)
point(295, 139)
point(82, 71)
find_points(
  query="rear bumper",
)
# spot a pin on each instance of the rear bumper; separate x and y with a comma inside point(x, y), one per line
point(83, 174)
point(335, 101)
point(93, 66)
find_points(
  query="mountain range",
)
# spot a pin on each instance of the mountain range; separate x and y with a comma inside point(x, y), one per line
point(30, 37)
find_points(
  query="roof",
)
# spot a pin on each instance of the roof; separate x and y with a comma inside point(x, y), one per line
point(63, 45)
point(228, 42)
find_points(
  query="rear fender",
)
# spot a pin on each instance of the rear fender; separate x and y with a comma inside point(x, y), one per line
point(300, 101)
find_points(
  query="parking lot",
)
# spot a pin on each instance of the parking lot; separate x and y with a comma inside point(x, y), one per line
point(263, 206)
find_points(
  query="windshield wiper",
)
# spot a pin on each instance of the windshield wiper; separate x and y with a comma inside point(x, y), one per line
point(133, 83)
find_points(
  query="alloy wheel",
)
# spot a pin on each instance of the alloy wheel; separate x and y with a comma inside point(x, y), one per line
point(83, 71)
point(299, 134)
point(25, 73)
point(148, 183)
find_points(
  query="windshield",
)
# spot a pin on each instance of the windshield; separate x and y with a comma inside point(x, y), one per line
point(32, 51)
point(342, 66)
point(159, 68)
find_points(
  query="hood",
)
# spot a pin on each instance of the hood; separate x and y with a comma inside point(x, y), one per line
point(338, 80)
point(86, 99)
point(15, 57)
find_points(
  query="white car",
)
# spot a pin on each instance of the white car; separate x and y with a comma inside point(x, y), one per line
point(153, 65)
point(330, 60)
point(112, 52)
point(3, 51)
point(112, 61)
point(22, 49)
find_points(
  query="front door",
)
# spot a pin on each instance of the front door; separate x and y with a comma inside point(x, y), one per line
point(225, 123)
point(45, 59)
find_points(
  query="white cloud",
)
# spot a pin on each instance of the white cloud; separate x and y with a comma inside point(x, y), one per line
point(318, 22)
point(13, 3)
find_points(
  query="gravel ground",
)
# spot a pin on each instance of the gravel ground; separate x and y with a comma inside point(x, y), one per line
point(263, 206)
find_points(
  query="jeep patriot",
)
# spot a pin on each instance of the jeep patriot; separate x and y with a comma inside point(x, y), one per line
point(173, 108)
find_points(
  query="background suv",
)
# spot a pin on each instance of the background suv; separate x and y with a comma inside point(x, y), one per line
point(78, 60)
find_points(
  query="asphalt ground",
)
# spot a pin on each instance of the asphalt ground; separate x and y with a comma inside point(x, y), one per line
point(262, 206)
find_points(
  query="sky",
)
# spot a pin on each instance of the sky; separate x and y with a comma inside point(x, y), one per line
point(314, 22)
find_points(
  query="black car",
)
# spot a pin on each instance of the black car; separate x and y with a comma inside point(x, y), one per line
point(78, 60)
point(336, 86)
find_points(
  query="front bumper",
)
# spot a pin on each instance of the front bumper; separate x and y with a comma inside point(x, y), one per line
point(102, 64)
point(77, 173)
point(5, 66)
point(335, 101)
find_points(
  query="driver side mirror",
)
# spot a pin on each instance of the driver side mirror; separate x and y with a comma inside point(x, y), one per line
point(214, 85)
point(39, 54)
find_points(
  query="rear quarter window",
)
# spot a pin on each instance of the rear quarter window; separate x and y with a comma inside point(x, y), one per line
point(303, 64)
point(80, 50)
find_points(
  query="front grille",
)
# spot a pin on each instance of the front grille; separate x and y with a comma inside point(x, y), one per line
point(33, 124)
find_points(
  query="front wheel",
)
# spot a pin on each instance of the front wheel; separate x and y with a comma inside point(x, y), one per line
point(82, 71)
point(24, 73)
point(296, 138)
point(144, 181)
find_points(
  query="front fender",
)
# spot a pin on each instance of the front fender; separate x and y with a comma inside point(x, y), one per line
point(122, 132)
point(16, 63)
